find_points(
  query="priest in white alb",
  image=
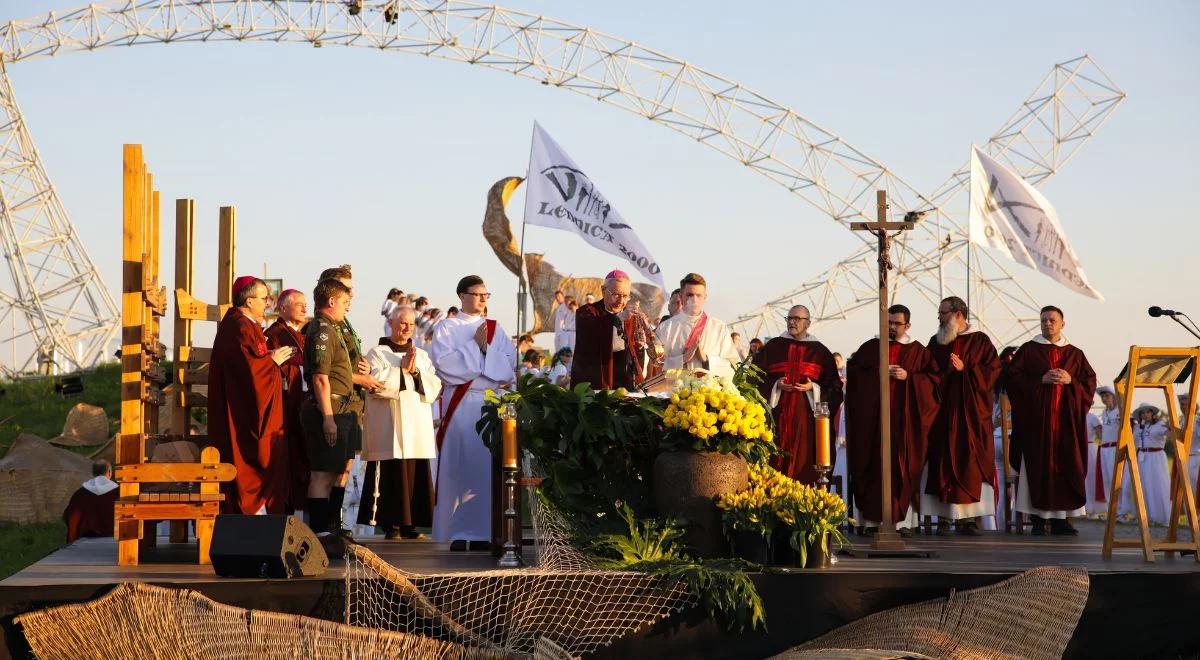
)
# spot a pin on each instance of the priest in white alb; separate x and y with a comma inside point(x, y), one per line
point(694, 340)
point(398, 435)
point(471, 354)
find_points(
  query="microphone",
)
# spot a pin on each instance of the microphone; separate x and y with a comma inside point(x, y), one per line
point(1157, 311)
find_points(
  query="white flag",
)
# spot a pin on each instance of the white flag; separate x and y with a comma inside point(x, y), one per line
point(558, 194)
point(1009, 215)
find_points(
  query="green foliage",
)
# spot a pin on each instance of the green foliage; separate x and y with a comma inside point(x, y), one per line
point(721, 586)
point(30, 405)
point(594, 448)
point(22, 545)
point(747, 378)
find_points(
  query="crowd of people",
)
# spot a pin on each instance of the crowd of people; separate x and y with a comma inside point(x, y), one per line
point(293, 403)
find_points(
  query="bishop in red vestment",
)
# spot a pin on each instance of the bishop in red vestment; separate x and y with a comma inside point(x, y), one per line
point(799, 368)
point(961, 470)
point(603, 352)
point(285, 331)
point(913, 394)
point(90, 509)
point(245, 404)
point(1050, 385)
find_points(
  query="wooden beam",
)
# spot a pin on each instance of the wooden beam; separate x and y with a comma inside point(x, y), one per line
point(168, 473)
point(185, 225)
point(226, 255)
point(191, 308)
point(194, 354)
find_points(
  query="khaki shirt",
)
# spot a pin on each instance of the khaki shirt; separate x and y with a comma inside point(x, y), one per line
point(326, 352)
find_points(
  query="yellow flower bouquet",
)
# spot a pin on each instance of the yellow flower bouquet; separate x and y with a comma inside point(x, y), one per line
point(710, 413)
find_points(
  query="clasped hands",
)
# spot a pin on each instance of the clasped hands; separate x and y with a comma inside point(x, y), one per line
point(795, 387)
point(1056, 377)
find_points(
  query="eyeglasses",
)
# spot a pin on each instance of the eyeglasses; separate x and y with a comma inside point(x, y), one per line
point(480, 296)
point(797, 319)
point(621, 296)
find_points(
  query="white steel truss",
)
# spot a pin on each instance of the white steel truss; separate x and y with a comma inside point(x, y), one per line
point(761, 134)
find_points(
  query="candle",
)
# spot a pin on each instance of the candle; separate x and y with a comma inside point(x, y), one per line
point(508, 432)
point(821, 411)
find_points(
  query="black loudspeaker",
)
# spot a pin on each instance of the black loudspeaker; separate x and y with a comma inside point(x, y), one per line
point(271, 546)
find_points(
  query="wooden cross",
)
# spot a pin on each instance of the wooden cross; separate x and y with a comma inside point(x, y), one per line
point(886, 539)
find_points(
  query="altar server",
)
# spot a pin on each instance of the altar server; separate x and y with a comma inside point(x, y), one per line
point(1150, 437)
point(1110, 429)
point(694, 340)
point(471, 354)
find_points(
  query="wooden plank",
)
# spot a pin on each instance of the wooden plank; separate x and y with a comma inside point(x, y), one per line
point(194, 354)
point(226, 255)
point(133, 512)
point(185, 225)
point(194, 309)
point(194, 376)
point(129, 443)
point(204, 530)
point(175, 472)
point(194, 399)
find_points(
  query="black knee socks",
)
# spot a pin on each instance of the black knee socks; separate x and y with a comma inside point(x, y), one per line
point(318, 514)
point(337, 495)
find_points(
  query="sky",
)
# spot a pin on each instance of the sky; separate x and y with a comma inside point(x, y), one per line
point(382, 160)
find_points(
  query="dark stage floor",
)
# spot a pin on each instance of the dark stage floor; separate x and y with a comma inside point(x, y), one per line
point(800, 604)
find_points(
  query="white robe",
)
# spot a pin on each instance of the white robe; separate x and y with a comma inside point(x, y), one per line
point(1094, 506)
point(715, 343)
point(464, 466)
point(1156, 476)
point(398, 423)
point(1110, 430)
point(564, 328)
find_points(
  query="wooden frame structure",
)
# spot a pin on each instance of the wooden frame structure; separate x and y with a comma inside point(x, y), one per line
point(1156, 368)
point(143, 303)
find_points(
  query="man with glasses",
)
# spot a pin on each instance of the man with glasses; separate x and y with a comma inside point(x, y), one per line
point(1051, 386)
point(691, 338)
point(799, 372)
point(960, 479)
point(471, 354)
point(245, 404)
point(912, 392)
point(603, 352)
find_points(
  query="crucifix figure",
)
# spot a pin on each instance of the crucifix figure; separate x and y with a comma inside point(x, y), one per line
point(887, 540)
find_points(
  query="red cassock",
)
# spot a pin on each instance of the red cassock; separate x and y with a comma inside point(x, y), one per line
point(245, 415)
point(914, 405)
point(89, 514)
point(961, 448)
point(280, 334)
point(1049, 423)
point(795, 427)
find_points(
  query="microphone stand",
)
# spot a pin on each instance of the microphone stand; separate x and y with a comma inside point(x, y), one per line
point(1175, 318)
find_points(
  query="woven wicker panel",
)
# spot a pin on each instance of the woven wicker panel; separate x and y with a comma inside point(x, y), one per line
point(136, 620)
point(1032, 615)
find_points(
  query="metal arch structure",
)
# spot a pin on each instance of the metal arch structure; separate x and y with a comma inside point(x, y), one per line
point(765, 136)
point(1065, 110)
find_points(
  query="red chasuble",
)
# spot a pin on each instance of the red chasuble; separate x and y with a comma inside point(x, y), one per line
point(594, 360)
point(795, 427)
point(245, 415)
point(1049, 423)
point(914, 404)
point(89, 514)
point(961, 448)
point(278, 336)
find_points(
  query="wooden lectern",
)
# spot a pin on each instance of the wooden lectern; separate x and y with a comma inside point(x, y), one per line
point(1157, 369)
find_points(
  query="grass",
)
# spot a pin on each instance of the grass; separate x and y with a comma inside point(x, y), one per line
point(30, 405)
point(22, 545)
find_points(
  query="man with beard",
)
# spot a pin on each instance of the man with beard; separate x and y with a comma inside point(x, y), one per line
point(912, 392)
point(1050, 385)
point(799, 371)
point(960, 476)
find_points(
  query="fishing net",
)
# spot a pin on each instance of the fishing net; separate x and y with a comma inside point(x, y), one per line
point(565, 602)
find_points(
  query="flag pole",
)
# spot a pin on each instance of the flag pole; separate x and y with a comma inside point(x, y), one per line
point(523, 277)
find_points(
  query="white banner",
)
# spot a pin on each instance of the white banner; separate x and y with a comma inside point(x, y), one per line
point(558, 194)
point(1009, 215)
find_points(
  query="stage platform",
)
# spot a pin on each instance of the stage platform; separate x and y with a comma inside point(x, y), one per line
point(1135, 609)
